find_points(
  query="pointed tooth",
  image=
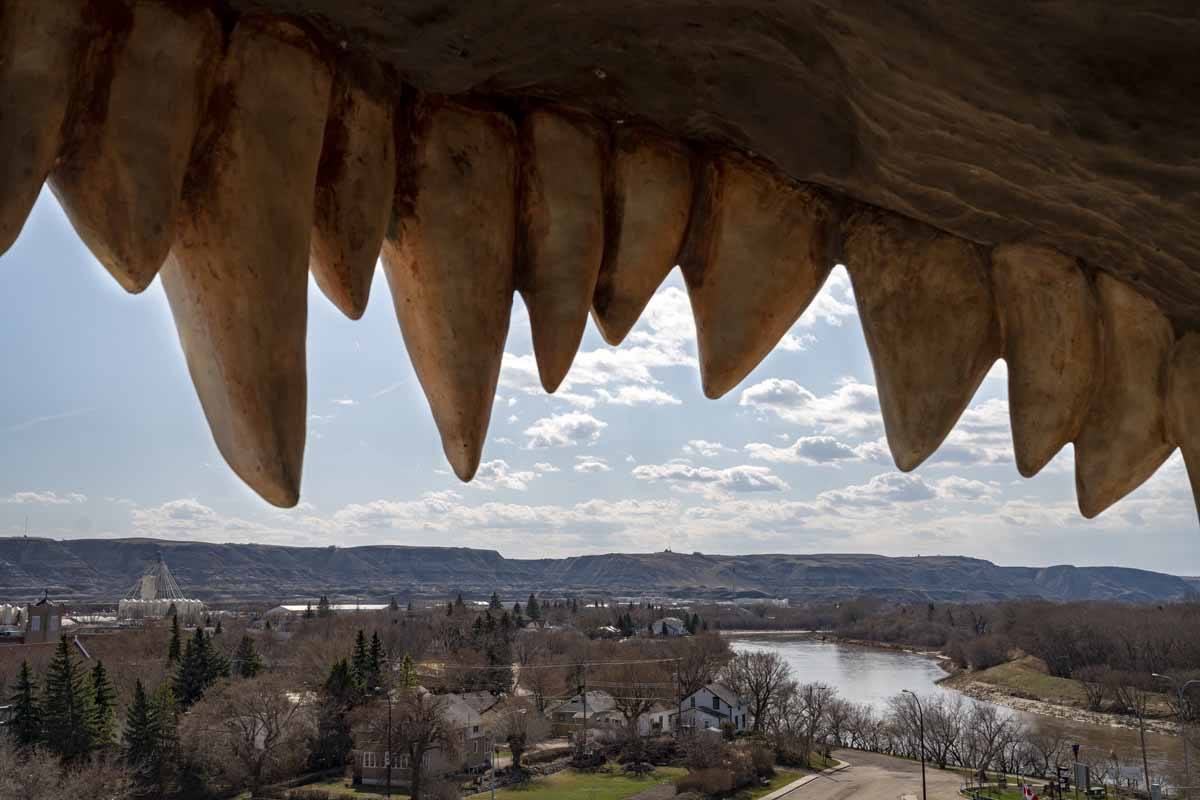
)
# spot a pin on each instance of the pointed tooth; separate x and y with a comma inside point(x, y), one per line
point(649, 197)
point(120, 184)
point(355, 184)
point(758, 251)
point(930, 323)
point(449, 264)
point(561, 231)
point(237, 274)
point(1052, 347)
point(1123, 439)
point(41, 45)
point(1183, 406)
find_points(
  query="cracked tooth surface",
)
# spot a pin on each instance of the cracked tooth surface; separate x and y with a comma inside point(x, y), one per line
point(41, 43)
point(1183, 406)
point(1052, 347)
point(355, 185)
point(448, 259)
point(648, 202)
point(120, 182)
point(237, 275)
point(561, 233)
point(758, 251)
point(1123, 438)
point(928, 316)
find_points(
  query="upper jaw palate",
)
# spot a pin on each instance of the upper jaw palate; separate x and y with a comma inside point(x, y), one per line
point(985, 205)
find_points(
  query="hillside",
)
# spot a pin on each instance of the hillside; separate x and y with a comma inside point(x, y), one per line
point(104, 569)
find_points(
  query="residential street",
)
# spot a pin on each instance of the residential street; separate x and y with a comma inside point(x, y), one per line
point(876, 777)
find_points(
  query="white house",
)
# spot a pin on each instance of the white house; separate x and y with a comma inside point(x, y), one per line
point(712, 707)
point(669, 626)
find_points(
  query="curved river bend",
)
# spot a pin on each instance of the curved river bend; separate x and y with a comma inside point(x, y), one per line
point(871, 675)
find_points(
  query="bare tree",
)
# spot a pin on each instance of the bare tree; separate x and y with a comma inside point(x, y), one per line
point(757, 677)
point(520, 727)
point(251, 732)
point(636, 688)
point(419, 726)
point(699, 659)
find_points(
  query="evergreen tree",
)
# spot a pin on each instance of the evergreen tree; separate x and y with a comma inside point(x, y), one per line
point(323, 609)
point(517, 610)
point(449, 609)
point(25, 722)
point(408, 673)
point(139, 738)
point(694, 627)
point(375, 658)
point(360, 662)
point(459, 605)
point(199, 669)
point(394, 606)
point(217, 632)
point(410, 608)
point(495, 603)
point(67, 709)
point(247, 664)
point(165, 759)
point(104, 712)
point(267, 625)
point(533, 609)
point(175, 645)
point(308, 612)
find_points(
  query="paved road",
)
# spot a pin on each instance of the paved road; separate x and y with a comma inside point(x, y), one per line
point(876, 777)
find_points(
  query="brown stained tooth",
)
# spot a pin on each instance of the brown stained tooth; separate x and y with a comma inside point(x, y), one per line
point(1052, 346)
point(649, 198)
point(1183, 406)
point(561, 233)
point(1123, 439)
point(930, 323)
point(237, 274)
point(355, 185)
point(449, 264)
point(41, 45)
point(758, 251)
point(120, 183)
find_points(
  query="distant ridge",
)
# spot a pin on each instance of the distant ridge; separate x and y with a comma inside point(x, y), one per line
point(100, 570)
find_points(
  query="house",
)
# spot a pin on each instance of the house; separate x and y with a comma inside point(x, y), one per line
point(669, 626)
point(371, 765)
point(712, 707)
point(570, 716)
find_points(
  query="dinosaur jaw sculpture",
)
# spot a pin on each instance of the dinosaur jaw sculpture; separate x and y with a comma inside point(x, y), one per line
point(1000, 184)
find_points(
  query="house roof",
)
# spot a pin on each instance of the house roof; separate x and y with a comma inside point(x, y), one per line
point(725, 693)
point(597, 702)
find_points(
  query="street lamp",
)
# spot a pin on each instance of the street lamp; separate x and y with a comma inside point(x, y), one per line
point(1180, 689)
point(921, 721)
point(492, 742)
point(387, 757)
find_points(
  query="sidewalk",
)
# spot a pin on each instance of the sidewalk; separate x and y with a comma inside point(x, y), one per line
point(796, 784)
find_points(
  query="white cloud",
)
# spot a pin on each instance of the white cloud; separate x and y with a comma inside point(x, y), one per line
point(793, 343)
point(44, 498)
point(591, 464)
point(884, 489)
point(638, 396)
point(565, 430)
point(545, 467)
point(344, 401)
point(498, 474)
point(852, 407)
point(820, 449)
point(703, 448)
point(685, 477)
point(834, 303)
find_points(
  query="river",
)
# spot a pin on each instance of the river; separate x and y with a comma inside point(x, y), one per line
point(873, 675)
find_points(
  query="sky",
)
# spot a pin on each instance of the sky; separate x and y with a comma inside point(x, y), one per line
point(101, 435)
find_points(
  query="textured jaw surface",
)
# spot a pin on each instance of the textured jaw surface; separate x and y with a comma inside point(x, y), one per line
point(999, 183)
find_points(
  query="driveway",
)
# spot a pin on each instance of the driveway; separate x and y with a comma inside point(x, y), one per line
point(876, 777)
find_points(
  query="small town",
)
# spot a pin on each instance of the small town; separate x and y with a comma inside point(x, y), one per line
point(542, 697)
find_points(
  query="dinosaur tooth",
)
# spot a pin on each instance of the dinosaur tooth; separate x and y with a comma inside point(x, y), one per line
point(648, 203)
point(1123, 439)
point(41, 47)
point(1183, 406)
point(930, 323)
point(560, 233)
point(448, 258)
point(236, 277)
point(120, 181)
point(355, 184)
point(758, 251)
point(1052, 345)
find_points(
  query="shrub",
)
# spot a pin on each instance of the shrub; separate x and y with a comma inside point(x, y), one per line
point(763, 760)
point(987, 651)
point(707, 782)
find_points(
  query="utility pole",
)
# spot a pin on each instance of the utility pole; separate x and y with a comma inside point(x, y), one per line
point(921, 723)
point(1180, 690)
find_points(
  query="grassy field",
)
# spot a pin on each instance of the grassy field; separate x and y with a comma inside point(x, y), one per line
point(1027, 677)
point(572, 785)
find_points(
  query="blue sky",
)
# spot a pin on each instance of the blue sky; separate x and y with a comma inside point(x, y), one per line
point(101, 435)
